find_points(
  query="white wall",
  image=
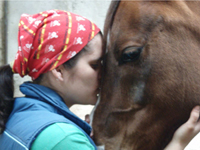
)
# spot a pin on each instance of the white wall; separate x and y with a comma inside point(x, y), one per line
point(94, 10)
point(2, 48)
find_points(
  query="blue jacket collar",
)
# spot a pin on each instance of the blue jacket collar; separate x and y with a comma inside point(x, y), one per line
point(49, 96)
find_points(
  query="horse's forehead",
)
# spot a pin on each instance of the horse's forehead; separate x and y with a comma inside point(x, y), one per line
point(144, 12)
point(136, 12)
point(133, 16)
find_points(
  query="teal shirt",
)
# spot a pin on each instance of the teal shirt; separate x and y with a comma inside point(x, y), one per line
point(61, 136)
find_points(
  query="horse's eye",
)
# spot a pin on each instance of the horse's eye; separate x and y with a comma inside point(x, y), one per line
point(131, 54)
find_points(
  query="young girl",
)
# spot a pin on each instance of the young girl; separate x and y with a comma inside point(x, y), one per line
point(62, 53)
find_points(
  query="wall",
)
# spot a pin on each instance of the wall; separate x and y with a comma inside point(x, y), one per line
point(94, 10)
point(2, 32)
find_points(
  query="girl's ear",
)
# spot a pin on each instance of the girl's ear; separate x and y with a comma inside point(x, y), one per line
point(58, 73)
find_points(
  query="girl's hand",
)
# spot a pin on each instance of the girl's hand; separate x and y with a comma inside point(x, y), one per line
point(185, 133)
point(87, 119)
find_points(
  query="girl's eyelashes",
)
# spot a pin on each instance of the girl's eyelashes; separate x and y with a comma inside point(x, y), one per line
point(95, 66)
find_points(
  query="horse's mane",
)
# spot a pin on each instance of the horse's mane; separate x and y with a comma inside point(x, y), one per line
point(110, 17)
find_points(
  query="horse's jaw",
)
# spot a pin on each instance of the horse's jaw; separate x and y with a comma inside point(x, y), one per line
point(121, 130)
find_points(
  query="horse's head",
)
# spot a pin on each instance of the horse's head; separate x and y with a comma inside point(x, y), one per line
point(152, 73)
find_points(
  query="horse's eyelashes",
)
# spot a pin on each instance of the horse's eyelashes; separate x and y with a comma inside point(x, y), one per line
point(131, 54)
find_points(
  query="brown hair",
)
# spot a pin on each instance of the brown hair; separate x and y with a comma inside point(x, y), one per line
point(68, 65)
point(6, 94)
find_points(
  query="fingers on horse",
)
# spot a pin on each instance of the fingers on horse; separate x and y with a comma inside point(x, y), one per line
point(87, 118)
point(194, 115)
point(193, 123)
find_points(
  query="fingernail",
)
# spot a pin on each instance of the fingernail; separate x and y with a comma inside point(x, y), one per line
point(197, 108)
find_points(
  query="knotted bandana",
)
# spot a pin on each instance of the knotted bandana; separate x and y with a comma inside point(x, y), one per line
point(48, 39)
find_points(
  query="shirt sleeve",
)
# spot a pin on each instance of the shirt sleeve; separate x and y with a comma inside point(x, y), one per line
point(62, 136)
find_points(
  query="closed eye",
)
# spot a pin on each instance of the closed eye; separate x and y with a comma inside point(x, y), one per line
point(130, 54)
point(96, 65)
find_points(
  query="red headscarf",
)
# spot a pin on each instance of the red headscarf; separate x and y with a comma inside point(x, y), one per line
point(50, 38)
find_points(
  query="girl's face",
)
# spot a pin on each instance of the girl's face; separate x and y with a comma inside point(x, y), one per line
point(83, 80)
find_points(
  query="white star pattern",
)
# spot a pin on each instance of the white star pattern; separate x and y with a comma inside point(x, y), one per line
point(80, 28)
point(31, 20)
point(71, 54)
point(37, 23)
point(55, 23)
point(21, 37)
point(51, 48)
point(17, 55)
point(78, 41)
point(34, 70)
point(44, 61)
point(52, 35)
point(28, 46)
point(20, 48)
point(25, 15)
point(78, 18)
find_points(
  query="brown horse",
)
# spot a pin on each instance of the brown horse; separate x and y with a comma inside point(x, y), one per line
point(152, 73)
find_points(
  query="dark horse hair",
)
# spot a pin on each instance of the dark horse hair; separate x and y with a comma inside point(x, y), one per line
point(6, 94)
